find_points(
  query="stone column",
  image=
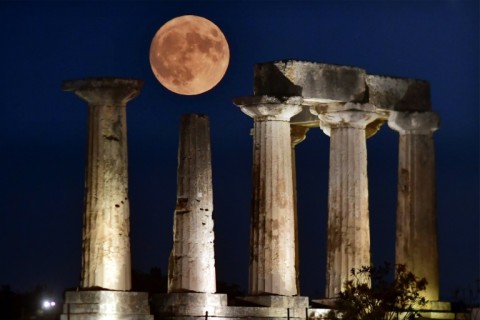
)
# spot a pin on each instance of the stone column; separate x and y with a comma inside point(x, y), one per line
point(192, 260)
point(297, 135)
point(416, 239)
point(272, 235)
point(106, 225)
point(348, 239)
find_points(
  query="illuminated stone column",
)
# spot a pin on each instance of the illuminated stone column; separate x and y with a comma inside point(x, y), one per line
point(297, 134)
point(192, 260)
point(416, 239)
point(272, 234)
point(106, 224)
point(348, 238)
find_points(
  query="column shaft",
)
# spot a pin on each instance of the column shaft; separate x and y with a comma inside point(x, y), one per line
point(106, 232)
point(192, 260)
point(272, 261)
point(348, 240)
point(106, 220)
point(416, 237)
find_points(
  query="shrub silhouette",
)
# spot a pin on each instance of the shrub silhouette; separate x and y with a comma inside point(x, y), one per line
point(369, 295)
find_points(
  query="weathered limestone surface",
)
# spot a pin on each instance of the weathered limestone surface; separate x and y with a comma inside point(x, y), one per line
point(190, 299)
point(241, 313)
point(192, 260)
point(98, 305)
point(416, 239)
point(106, 225)
point(270, 301)
point(348, 239)
point(310, 80)
point(398, 94)
point(272, 233)
point(187, 304)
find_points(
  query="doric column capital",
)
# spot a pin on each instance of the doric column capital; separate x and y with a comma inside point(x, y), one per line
point(349, 115)
point(414, 122)
point(263, 108)
point(104, 91)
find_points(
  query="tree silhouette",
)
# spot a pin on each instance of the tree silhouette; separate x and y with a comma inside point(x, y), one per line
point(369, 295)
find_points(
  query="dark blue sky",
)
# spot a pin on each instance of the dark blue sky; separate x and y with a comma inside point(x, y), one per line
point(43, 130)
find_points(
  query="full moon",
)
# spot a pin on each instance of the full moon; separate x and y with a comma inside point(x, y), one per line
point(189, 55)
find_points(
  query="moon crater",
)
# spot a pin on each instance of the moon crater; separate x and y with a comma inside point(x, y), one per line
point(189, 55)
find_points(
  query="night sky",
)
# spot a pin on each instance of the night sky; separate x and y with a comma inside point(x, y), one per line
point(43, 130)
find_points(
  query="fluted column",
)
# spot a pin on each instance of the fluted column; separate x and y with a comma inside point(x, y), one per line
point(348, 238)
point(106, 221)
point(416, 238)
point(272, 231)
point(192, 260)
point(298, 133)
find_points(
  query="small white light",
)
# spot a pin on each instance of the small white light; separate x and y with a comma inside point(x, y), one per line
point(47, 304)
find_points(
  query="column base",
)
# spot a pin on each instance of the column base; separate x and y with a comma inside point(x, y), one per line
point(188, 306)
point(103, 304)
point(437, 306)
point(191, 303)
point(272, 301)
point(325, 302)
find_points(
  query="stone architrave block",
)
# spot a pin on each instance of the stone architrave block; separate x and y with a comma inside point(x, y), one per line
point(398, 94)
point(313, 81)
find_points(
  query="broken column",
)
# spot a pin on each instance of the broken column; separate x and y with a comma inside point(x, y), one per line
point(408, 102)
point(191, 268)
point(106, 266)
point(192, 260)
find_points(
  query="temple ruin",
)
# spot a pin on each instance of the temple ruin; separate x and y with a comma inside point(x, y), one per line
point(289, 98)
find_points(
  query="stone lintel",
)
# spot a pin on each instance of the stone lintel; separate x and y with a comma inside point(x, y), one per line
point(275, 301)
point(414, 122)
point(398, 94)
point(269, 108)
point(104, 90)
point(310, 80)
